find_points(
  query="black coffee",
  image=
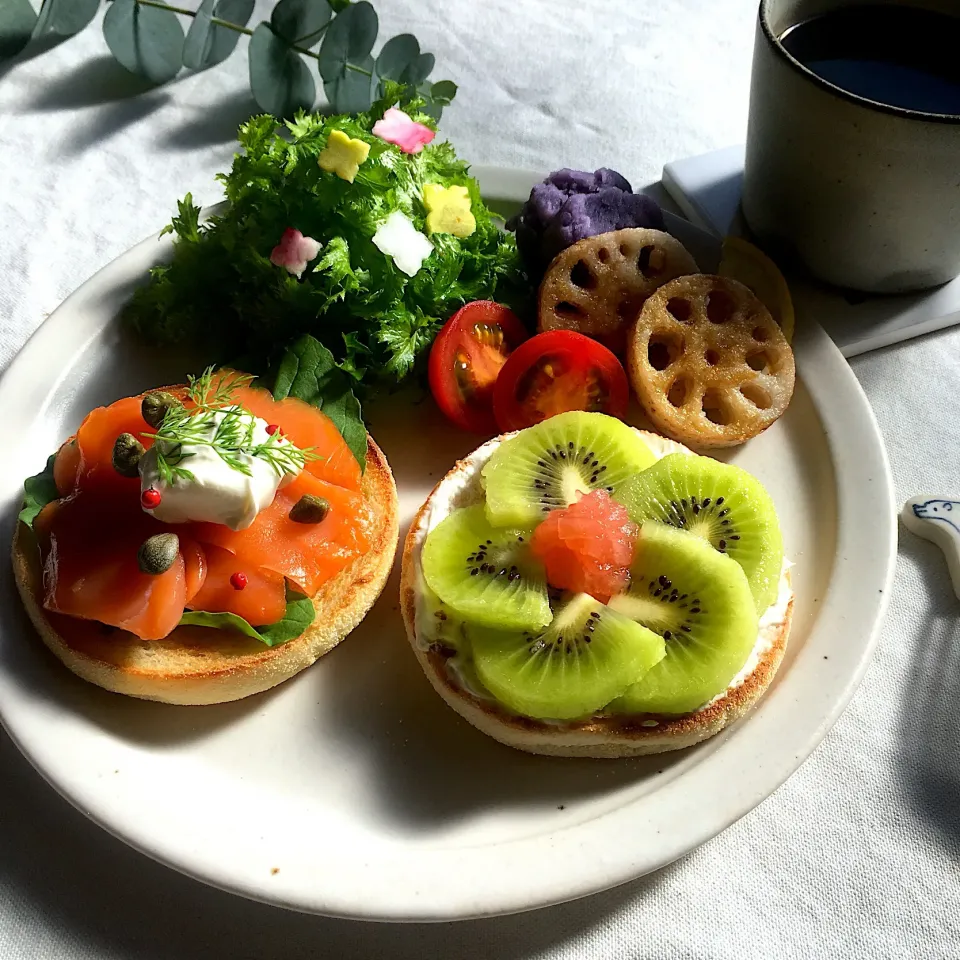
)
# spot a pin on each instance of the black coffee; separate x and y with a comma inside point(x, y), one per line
point(901, 56)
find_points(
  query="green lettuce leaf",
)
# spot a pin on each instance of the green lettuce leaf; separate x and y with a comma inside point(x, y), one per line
point(299, 615)
point(309, 373)
point(38, 491)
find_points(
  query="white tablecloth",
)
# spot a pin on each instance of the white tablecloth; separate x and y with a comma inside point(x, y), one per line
point(858, 855)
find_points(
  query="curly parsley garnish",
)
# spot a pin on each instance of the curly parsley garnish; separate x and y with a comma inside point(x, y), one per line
point(222, 293)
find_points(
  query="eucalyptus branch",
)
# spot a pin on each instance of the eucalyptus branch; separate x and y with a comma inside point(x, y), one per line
point(229, 25)
point(168, 6)
point(147, 37)
point(216, 21)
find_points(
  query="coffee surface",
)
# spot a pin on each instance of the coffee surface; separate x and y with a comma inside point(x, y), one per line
point(900, 56)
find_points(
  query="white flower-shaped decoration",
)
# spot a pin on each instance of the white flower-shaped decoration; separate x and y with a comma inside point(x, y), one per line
point(398, 238)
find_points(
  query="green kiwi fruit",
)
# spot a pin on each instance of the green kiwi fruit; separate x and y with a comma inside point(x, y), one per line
point(486, 574)
point(699, 602)
point(439, 626)
point(587, 656)
point(549, 465)
point(437, 623)
point(726, 506)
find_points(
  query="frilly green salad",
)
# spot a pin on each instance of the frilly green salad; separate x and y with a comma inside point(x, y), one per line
point(364, 231)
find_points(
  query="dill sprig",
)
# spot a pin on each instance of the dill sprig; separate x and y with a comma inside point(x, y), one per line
point(212, 407)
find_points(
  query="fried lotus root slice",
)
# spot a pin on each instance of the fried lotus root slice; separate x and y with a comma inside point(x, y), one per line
point(708, 363)
point(598, 286)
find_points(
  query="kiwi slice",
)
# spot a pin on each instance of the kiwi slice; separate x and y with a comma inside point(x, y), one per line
point(587, 656)
point(486, 574)
point(549, 465)
point(437, 623)
point(723, 504)
point(699, 601)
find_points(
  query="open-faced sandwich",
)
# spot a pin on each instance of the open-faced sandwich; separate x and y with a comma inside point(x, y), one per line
point(576, 586)
point(204, 542)
point(582, 588)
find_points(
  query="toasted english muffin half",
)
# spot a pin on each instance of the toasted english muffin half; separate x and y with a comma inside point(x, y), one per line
point(601, 736)
point(198, 665)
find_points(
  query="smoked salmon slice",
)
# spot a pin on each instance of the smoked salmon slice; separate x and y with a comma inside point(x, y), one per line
point(96, 437)
point(195, 567)
point(90, 569)
point(307, 554)
point(90, 537)
point(262, 600)
point(66, 467)
point(306, 427)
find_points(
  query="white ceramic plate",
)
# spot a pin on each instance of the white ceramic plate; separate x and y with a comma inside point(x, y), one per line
point(353, 790)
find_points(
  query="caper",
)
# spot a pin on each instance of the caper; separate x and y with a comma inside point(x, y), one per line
point(157, 553)
point(127, 451)
point(155, 406)
point(309, 509)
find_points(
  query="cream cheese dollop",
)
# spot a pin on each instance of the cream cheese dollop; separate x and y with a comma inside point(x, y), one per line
point(218, 492)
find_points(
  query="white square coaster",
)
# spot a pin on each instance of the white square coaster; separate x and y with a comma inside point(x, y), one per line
point(707, 190)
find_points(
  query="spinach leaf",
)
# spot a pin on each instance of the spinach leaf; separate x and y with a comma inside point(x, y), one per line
point(299, 615)
point(38, 491)
point(309, 373)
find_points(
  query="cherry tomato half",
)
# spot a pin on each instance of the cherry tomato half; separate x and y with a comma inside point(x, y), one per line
point(554, 372)
point(465, 361)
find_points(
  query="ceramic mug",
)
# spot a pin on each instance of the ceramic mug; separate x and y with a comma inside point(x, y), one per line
point(866, 195)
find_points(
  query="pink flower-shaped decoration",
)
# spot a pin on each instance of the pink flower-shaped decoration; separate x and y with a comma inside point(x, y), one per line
point(396, 127)
point(294, 252)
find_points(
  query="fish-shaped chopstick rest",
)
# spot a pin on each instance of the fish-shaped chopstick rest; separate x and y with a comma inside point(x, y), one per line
point(937, 519)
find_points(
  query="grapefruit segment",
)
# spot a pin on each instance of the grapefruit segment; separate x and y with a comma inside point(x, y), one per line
point(587, 547)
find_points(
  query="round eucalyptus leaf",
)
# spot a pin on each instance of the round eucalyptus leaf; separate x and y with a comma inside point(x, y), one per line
point(17, 20)
point(146, 40)
point(437, 96)
point(418, 71)
point(65, 17)
point(353, 92)
point(433, 108)
point(397, 55)
point(280, 81)
point(444, 90)
point(300, 21)
point(207, 43)
point(349, 39)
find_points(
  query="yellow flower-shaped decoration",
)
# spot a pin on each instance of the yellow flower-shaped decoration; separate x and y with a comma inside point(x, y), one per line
point(448, 210)
point(343, 155)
